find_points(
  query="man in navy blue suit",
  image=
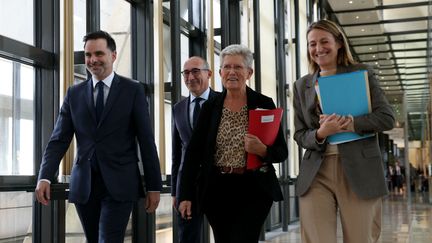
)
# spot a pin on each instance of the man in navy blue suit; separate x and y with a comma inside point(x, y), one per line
point(108, 115)
point(196, 73)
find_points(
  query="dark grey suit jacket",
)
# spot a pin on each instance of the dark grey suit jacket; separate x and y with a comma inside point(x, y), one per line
point(181, 134)
point(360, 159)
point(124, 122)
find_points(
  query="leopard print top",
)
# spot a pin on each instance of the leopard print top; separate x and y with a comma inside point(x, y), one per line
point(230, 150)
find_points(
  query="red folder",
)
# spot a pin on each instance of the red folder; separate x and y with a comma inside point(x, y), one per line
point(265, 125)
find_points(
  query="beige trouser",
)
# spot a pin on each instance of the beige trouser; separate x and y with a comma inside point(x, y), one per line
point(330, 192)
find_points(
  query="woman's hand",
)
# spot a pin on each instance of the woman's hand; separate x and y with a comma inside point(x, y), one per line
point(332, 124)
point(254, 145)
point(185, 209)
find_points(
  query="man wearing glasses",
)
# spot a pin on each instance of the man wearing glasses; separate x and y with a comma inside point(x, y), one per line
point(196, 75)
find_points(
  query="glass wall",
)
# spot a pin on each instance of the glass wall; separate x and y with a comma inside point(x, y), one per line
point(79, 23)
point(22, 89)
point(115, 18)
point(16, 118)
point(16, 217)
point(20, 13)
point(26, 91)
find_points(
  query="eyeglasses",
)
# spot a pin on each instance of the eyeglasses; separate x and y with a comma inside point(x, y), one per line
point(193, 71)
point(235, 68)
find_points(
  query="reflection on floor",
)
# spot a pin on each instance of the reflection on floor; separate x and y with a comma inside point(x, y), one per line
point(402, 222)
point(165, 236)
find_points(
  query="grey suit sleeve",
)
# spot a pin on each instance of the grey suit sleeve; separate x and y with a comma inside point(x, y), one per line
point(382, 116)
point(304, 135)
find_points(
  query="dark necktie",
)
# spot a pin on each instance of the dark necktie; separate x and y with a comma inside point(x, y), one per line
point(196, 110)
point(99, 100)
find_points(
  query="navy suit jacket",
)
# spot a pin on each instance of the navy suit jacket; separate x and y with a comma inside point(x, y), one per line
point(181, 134)
point(124, 122)
point(198, 166)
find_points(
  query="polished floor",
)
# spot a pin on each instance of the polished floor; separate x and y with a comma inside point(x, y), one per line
point(404, 221)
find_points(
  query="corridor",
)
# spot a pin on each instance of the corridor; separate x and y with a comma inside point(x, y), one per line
point(402, 222)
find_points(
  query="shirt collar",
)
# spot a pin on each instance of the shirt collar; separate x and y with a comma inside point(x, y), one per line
point(204, 95)
point(107, 81)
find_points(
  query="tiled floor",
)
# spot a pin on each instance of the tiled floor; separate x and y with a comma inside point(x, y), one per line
point(403, 222)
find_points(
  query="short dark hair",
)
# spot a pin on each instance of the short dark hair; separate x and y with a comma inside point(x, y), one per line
point(100, 34)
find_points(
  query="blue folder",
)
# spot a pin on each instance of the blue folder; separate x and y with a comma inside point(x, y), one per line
point(345, 94)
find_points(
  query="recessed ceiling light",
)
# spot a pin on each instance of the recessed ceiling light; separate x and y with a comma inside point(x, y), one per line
point(362, 30)
point(373, 56)
point(350, 2)
point(370, 48)
point(357, 17)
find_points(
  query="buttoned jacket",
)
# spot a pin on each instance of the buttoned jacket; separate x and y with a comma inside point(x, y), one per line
point(117, 140)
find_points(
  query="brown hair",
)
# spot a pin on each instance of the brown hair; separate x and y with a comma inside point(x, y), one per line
point(344, 56)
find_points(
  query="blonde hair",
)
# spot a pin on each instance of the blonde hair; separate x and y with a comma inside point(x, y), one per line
point(344, 56)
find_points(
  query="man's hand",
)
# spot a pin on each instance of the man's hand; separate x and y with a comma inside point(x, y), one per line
point(185, 209)
point(152, 201)
point(43, 192)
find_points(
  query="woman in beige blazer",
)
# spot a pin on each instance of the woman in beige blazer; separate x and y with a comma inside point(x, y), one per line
point(345, 179)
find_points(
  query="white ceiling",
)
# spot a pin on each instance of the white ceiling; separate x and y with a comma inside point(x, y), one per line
point(392, 36)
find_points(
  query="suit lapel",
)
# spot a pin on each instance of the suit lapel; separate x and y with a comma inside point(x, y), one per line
point(310, 96)
point(212, 93)
point(186, 113)
point(90, 100)
point(310, 92)
point(112, 97)
point(251, 99)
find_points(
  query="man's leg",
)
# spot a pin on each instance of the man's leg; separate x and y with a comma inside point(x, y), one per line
point(114, 218)
point(89, 213)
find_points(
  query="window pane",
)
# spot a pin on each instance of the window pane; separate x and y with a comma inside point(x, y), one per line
point(79, 24)
point(15, 217)
point(20, 13)
point(16, 119)
point(116, 20)
point(184, 55)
